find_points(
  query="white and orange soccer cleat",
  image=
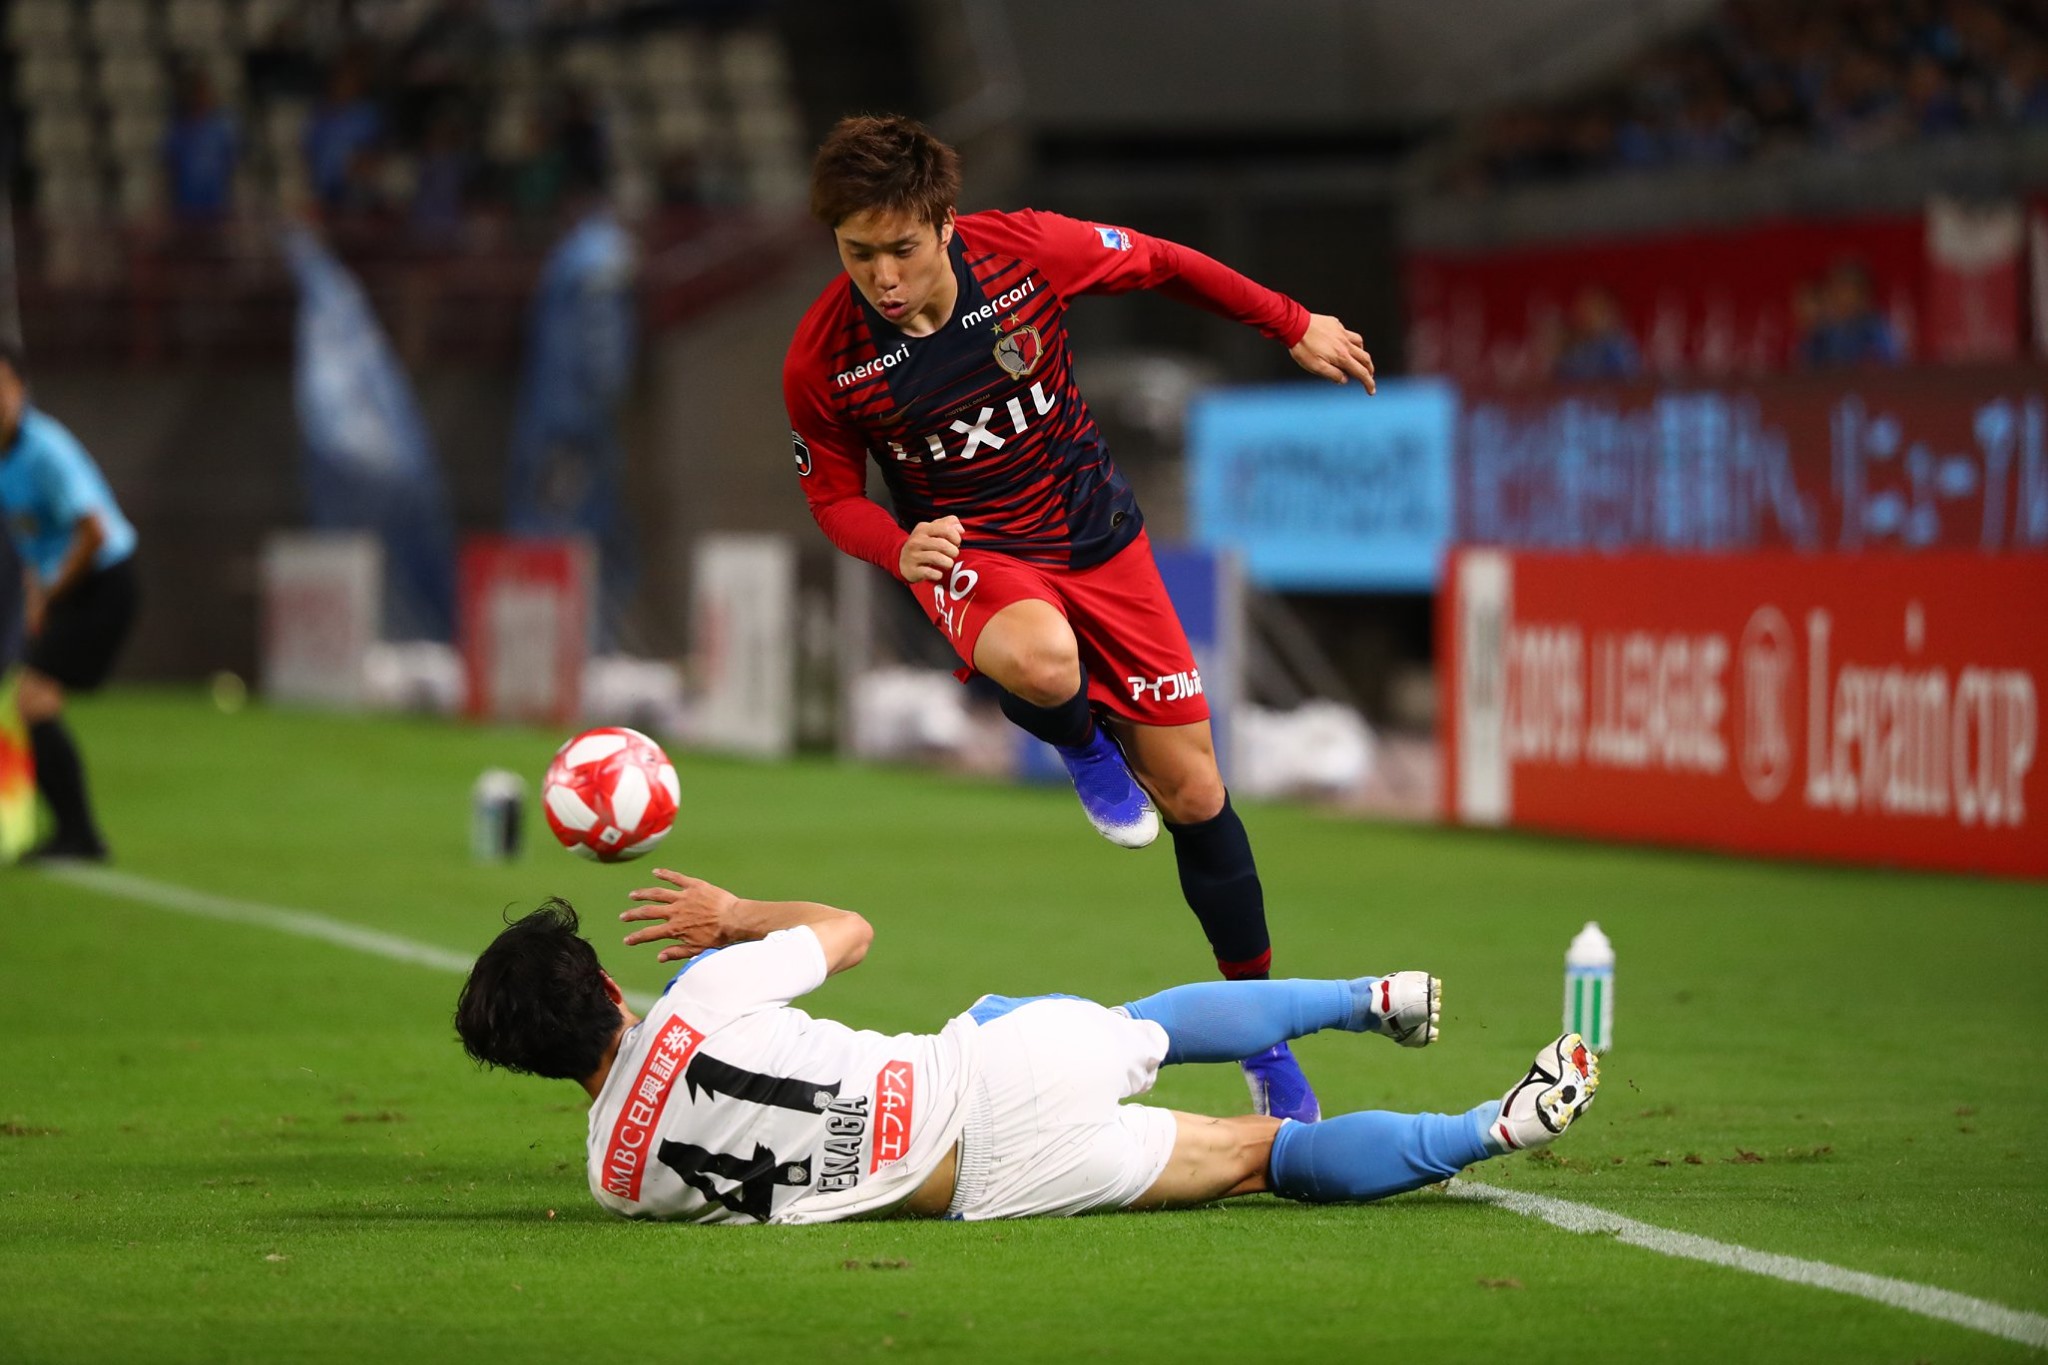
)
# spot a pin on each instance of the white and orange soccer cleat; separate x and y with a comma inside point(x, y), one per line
point(1560, 1085)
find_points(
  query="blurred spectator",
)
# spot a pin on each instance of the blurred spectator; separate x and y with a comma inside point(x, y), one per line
point(564, 155)
point(200, 150)
point(341, 135)
point(1597, 344)
point(447, 167)
point(1844, 327)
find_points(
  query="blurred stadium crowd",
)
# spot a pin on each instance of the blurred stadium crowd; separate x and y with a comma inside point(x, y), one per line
point(1766, 77)
point(409, 113)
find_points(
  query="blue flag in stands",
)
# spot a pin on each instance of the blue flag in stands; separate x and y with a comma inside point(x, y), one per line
point(369, 463)
point(564, 472)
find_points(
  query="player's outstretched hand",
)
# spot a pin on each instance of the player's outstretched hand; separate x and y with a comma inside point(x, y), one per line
point(1330, 350)
point(929, 553)
point(690, 911)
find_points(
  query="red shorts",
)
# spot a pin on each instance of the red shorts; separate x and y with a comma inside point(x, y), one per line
point(1137, 656)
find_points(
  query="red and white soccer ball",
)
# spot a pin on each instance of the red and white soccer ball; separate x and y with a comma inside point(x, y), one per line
point(610, 794)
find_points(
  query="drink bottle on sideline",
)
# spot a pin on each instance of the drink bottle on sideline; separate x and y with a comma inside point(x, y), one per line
point(497, 803)
point(1589, 987)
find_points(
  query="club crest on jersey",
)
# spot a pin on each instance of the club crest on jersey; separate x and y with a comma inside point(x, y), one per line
point(803, 453)
point(1019, 350)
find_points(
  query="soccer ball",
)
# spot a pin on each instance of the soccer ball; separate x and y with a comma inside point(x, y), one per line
point(610, 794)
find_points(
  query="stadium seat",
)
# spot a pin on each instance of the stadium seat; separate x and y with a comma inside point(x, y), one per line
point(681, 128)
point(51, 77)
point(129, 81)
point(284, 131)
point(136, 135)
point(39, 25)
point(669, 66)
point(197, 25)
point(751, 59)
point(68, 197)
point(260, 18)
point(138, 192)
point(595, 66)
point(57, 141)
point(119, 26)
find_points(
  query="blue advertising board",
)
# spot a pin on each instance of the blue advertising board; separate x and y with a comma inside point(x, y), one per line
point(1208, 597)
point(1323, 489)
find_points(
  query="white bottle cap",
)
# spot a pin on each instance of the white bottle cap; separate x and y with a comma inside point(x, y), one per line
point(1590, 948)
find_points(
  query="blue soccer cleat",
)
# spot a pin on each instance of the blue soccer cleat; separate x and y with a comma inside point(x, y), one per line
point(1278, 1087)
point(1114, 802)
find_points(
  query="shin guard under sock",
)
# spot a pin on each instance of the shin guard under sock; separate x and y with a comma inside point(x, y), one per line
point(1228, 1021)
point(1221, 884)
point(1067, 725)
point(1374, 1154)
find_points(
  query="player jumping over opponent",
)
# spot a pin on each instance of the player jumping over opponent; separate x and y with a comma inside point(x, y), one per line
point(727, 1105)
point(943, 355)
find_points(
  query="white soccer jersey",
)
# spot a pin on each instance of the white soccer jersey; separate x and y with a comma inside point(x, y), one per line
point(726, 1105)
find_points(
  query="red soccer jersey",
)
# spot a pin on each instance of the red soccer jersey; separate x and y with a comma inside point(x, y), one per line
point(981, 419)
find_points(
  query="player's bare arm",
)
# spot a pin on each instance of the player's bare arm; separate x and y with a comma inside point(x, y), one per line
point(699, 916)
point(1330, 350)
point(929, 553)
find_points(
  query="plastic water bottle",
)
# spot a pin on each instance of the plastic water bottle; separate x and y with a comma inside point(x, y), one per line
point(497, 804)
point(1589, 987)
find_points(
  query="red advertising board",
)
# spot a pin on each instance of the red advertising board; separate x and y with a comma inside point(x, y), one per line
point(1706, 303)
point(1908, 459)
point(525, 626)
point(1876, 709)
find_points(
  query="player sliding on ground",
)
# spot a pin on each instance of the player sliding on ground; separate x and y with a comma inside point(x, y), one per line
point(943, 355)
point(725, 1104)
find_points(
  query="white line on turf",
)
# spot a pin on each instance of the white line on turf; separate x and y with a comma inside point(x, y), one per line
point(304, 923)
point(2030, 1329)
point(1981, 1315)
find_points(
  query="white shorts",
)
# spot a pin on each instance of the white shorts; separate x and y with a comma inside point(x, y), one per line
point(1045, 1132)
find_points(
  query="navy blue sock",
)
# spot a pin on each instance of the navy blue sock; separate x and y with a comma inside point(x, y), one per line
point(1069, 724)
point(1221, 884)
point(1374, 1154)
point(1228, 1021)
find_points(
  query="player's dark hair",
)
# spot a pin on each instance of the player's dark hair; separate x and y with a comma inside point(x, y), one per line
point(883, 161)
point(535, 1001)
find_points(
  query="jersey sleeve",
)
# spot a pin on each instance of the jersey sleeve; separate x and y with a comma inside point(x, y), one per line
point(832, 461)
point(1095, 258)
point(747, 977)
point(61, 478)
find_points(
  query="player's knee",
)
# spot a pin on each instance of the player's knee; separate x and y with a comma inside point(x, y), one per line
point(40, 697)
point(1187, 794)
point(1044, 670)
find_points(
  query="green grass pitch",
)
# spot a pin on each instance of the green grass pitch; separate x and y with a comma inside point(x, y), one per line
point(218, 1142)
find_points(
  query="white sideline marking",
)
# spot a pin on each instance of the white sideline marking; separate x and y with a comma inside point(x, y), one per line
point(2029, 1329)
point(1982, 1315)
point(305, 923)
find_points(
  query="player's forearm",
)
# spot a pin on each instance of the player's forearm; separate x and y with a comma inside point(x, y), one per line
point(86, 539)
point(748, 920)
point(1209, 284)
point(861, 527)
point(842, 935)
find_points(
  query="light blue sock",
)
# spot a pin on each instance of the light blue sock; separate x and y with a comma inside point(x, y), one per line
point(1228, 1021)
point(1374, 1154)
